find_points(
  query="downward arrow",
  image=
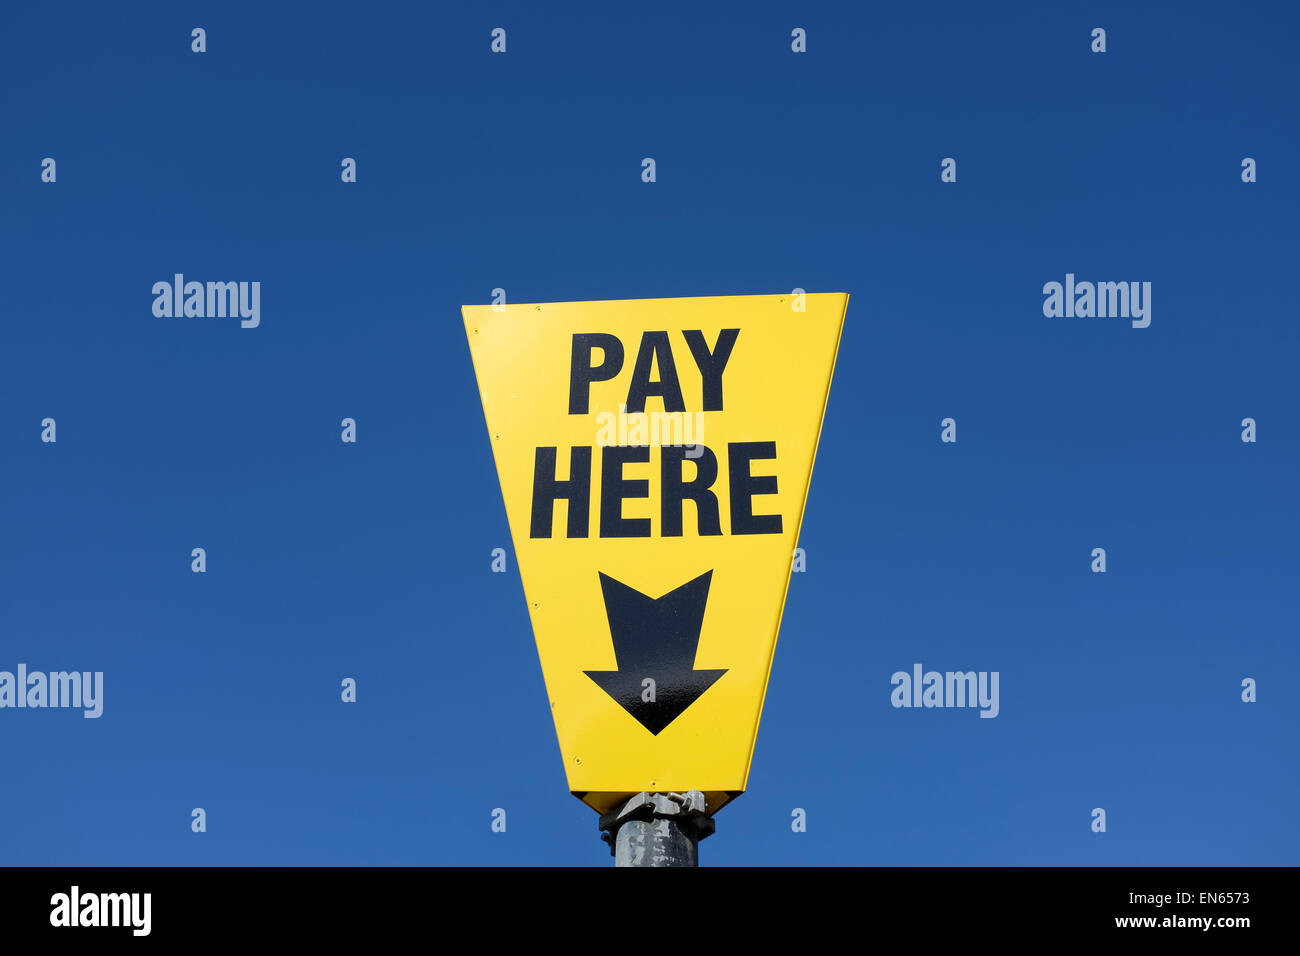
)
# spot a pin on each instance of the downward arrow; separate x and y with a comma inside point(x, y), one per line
point(655, 639)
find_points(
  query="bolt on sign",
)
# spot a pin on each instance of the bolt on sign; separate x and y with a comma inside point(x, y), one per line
point(654, 457)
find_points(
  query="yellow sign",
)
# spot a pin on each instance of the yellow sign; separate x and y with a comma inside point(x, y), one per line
point(654, 457)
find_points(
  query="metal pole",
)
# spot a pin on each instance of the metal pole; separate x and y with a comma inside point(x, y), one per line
point(656, 829)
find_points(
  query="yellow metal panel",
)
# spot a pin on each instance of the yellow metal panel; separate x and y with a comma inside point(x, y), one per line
point(693, 613)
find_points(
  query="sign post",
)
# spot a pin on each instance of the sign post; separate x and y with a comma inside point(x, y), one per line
point(654, 829)
point(654, 457)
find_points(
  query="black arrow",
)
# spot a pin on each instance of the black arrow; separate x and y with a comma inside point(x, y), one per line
point(655, 638)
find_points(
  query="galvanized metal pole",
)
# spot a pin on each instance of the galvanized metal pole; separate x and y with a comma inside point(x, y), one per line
point(656, 829)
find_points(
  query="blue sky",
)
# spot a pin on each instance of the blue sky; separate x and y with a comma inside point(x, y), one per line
point(775, 170)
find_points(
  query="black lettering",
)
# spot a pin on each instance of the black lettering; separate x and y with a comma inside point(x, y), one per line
point(582, 373)
point(655, 346)
point(576, 491)
point(614, 488)
point(711, 364)
point(744, 486)
point(697, 489)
